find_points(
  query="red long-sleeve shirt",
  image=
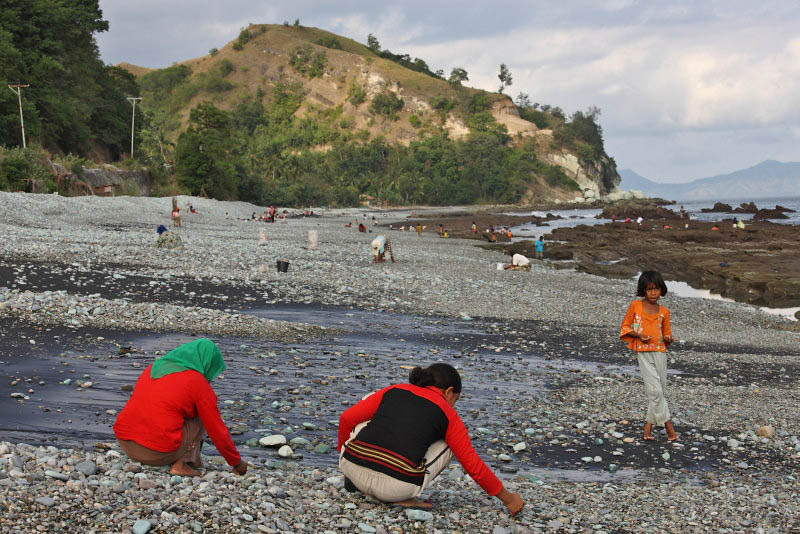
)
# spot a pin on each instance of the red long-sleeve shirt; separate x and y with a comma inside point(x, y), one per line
point(399, 423)
point(154, 415)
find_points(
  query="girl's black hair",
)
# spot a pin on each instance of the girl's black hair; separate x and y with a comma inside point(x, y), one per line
point(650, 277)
point(440, 375)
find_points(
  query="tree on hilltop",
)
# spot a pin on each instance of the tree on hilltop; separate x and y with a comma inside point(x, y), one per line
point(458, 75)
point(373, 44)
point(505, 77)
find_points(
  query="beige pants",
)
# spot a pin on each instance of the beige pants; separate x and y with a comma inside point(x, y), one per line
point(189, 450)
point(653, 366)
point(386, 488)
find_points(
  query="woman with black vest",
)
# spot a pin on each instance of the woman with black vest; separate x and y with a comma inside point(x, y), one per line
point(396, 441)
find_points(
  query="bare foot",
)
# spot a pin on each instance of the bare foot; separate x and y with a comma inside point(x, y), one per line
point(648, 432)
point(414, 503)
point(671, 434)
point(180, 468)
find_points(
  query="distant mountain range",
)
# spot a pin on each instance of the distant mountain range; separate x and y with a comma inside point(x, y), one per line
point(767, 179)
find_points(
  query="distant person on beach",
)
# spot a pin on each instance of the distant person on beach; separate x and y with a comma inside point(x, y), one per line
point(396, 441)
point(171, 409)
point(362, 228)
point(474, 228)
point(176, 212)
point(646, 330)
point(167, 239)
point(419, 230)
point(519, 263)
point(380, 246)
point(539, 244)
point(440, 230)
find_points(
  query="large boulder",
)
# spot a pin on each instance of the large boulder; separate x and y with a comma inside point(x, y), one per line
point(746, 207)
point(769, 214)
point(719, 207)
point(636, 208)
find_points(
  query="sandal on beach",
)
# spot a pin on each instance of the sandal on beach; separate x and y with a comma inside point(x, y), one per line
point(419, 506)
point(676, 437)
point(648, 438)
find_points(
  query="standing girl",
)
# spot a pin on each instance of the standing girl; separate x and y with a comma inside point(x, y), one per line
point(647, 332)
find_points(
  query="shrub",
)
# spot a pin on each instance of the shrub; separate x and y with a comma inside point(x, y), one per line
point(356, 94)
point(415, 122)
point(387, 104)
point(330, 42)
point(213, 82)
point(213, 51)
point(308, 62)
point(442, 104)
point(539, 118)
point(479, 102)
point(244, 36)
point(17, 165)
point(555, 176)
point(226, 66)
point(586, 152)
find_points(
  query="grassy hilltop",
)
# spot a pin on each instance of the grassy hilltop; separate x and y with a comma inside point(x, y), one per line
point(296, 115)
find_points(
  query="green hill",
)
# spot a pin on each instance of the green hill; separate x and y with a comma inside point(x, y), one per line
point(295, 115)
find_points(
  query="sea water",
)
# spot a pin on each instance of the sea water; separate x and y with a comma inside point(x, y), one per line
point(693, 207)
point(575, 217)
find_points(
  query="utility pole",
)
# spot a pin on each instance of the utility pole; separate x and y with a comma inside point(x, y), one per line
point(133, 100)
point(17, 88)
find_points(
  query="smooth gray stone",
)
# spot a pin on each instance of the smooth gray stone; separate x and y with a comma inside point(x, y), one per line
point(56, 475)
point(419, 515)
point(141, 526)
point(46, 501)
point(88, 468)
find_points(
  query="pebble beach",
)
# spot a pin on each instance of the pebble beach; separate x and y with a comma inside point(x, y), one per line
point(553, 400)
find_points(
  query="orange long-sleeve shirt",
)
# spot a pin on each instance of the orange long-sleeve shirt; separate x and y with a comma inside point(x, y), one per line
point(654, 325)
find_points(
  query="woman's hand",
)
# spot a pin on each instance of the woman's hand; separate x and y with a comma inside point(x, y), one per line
point(513, 501)
point(668, 339)
point(240, 468)
point(644, 338)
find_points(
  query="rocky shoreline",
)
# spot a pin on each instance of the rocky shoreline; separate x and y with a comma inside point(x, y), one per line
point(548, 385)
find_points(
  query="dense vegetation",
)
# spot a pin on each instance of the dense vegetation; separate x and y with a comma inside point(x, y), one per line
point(74, 103)
point(258, 149)
point(261, 152)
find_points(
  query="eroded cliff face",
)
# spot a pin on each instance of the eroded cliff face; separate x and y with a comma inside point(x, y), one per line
point(596, 179)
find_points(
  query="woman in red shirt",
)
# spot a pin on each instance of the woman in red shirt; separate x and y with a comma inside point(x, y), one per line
point(172, 408)
point(396, 441)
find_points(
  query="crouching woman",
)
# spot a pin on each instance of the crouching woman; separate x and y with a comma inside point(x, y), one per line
point(396, 441)
point(171, 409)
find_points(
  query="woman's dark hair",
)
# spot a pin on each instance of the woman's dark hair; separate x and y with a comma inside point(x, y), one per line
point(440, 375)
point(647, 278)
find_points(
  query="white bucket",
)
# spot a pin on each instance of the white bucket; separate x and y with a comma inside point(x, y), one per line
point(313, 240)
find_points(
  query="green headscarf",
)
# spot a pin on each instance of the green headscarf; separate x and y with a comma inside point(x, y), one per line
point(200, 355)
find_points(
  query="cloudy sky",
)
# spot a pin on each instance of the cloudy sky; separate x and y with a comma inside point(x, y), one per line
point(687, 88)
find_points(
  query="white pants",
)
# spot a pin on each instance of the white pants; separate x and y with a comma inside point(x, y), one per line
point(653, 366)
point(386, 488)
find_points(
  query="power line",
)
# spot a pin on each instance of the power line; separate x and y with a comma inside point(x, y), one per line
point(133, 100)
point(18, 87)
